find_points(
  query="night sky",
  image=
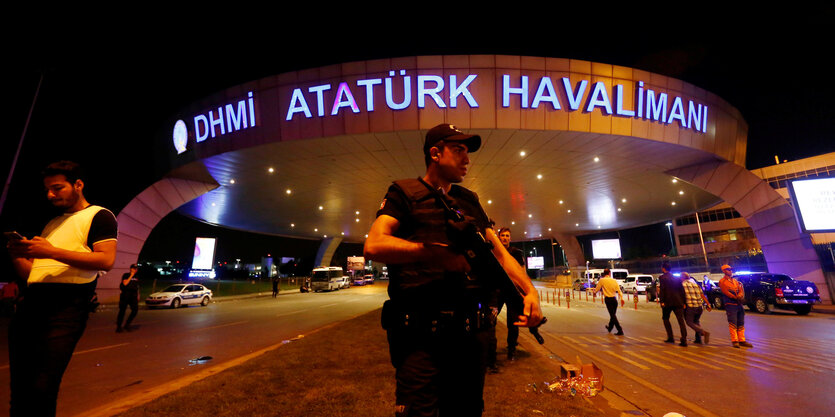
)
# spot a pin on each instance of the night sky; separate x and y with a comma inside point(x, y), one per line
point(106, 93)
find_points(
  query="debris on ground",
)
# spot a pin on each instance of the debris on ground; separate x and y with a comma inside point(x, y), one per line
point(199, 360)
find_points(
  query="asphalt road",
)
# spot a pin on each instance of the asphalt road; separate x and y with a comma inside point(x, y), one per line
point(108, 366)
point(788, 372)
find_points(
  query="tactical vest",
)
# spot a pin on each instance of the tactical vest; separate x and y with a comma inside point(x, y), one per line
point(425, 282)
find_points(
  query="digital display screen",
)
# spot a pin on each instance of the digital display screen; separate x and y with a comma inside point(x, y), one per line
point(536, 262)
point(814, 204)
point(204, 253)
point(605, 248)
point(356, 263)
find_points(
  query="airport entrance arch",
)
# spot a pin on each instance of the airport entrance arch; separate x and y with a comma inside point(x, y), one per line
point(569, 147)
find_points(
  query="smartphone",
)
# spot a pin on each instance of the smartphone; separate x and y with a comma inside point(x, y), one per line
point(13, 236)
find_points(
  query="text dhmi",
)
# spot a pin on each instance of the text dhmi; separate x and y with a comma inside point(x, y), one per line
point(227, 119)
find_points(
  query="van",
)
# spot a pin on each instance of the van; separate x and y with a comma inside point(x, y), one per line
point(327, 278)
point(637, 283)
point(619, 274)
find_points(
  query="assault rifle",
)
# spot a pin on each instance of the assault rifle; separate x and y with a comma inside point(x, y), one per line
point(470, 242)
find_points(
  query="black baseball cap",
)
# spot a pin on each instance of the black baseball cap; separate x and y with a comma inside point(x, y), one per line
point(449, 133)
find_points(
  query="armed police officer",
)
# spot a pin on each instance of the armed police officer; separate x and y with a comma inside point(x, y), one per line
point(436, 317)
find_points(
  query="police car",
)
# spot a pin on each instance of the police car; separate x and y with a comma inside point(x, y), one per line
point(765, 291)
point(180, 294)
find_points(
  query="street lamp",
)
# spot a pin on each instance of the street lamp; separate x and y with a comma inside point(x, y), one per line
point(670, 231)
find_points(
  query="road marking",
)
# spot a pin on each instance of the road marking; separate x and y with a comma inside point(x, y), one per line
point(221, 325)
point(587, 339)
point(627, 360)
point(727, 358)
point(798, 357)
point(700, 363)
point(681, 364)
point(81, 352)
point(770, 359)
point(643, 358)
point(669, 395)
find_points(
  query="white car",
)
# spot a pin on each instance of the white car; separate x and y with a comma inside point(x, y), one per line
point(638, 282)
point(180, 294)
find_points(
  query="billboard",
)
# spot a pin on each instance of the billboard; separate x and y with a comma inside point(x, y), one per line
point(605, 248)
point(356, 263)
point(536, 262)
point(814, 204)
point(204, 253)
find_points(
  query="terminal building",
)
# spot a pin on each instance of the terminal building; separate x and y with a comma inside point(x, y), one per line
point(570, 147)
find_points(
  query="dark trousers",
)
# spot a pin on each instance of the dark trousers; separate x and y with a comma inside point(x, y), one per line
point(665, 316)
point(439, 373)
point(612, 306)
point(124, 303)
point(692, 316)
point(42, 337)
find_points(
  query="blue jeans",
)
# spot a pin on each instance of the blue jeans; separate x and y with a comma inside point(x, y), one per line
point(42, 337)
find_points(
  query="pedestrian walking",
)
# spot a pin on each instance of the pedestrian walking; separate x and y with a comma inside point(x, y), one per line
point(694, 299)
point(671, 295)
point(609, 287)
point(275, 286)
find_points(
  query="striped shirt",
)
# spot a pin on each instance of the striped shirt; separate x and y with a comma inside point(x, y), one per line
point(692, 293)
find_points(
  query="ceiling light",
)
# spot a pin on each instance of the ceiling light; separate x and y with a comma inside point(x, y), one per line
point(539, 177)
point(489, 201)
point(618, 208)
point(343, 233)
point(366, 236)
point(232, 181)
point(288, 191)
point(622, 200)
point(681, 193)
point(357, 220)
point(549, 229)
point(598, 226)
point(292, 225)
point(357, 212)
point(569, 210)
point(561, 201)
point(596, 159)
point(576, 224)
point(270, 170)
point(530, 216)
point(675, 180)
point(526, 232)
point(673, 203)
point(512, 223)
point(213, 204)
point(522, 153)
point(315, 230)
point(321, 208)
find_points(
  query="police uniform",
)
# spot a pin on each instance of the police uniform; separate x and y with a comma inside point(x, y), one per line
point(436, 320)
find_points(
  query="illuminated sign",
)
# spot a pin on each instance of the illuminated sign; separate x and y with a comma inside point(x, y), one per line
point(226, 119)
point(813, 200)
point(204, 253)
point(401, 90)
point(646, 104)
point(605, 248)
point(180, 136)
